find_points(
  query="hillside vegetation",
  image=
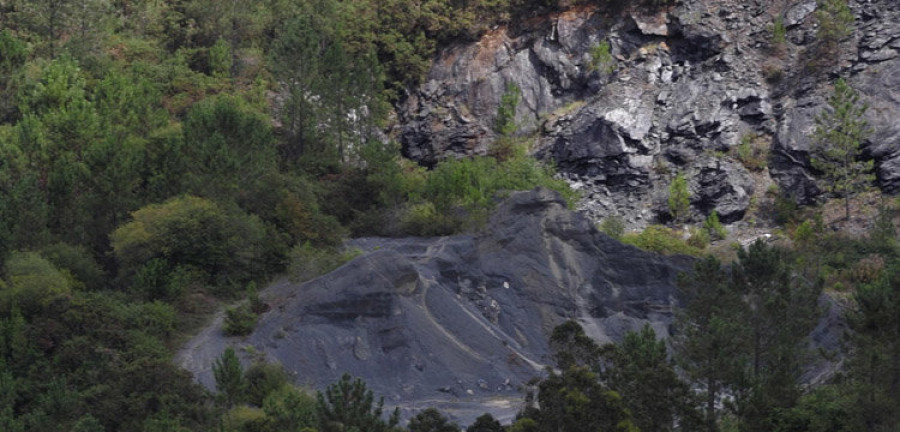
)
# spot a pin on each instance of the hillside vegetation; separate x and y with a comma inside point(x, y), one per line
point(159, 159)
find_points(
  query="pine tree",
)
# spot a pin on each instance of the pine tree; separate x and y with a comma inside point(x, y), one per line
point(835, 24)
point(640, 370)
point(679, 198)
point(780, 313)
point(708, 340)
point(229, 376)
point(840, 132)
point(348, 404)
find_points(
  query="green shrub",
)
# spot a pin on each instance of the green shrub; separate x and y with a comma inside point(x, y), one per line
point(699, 238)
point(659, 239)
point(227, 245)
point(752, 152)
point(239, 320)
point(613, 226)
point(779, 35)
point(601, 58)
point(77, 260)
point(459, 195)
point(714, 227)
point(679, 198)
point(786, 209)
point(262, 379)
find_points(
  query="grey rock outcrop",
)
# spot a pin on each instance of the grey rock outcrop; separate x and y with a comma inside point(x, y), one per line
point(452, 320)
point(687, 85)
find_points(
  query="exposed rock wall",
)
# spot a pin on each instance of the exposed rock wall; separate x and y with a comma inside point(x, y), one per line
point(689, 83)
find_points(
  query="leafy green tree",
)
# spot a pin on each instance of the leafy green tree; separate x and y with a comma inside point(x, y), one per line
point(289, 409)
point(431, 420)
point(679, 198)
point(191, 231)
point(840, 132)
point(230, 380)
point(34, 283)
point(262, 379)
point(348, 404)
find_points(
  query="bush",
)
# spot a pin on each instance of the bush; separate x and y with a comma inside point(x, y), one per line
point(752, 152)
point(714, 227)
point(262, 379)
point(786, 209)
point(699, 238)
point(613, 226)
point(228, 246)
point(34, 283)
point(239, 320)
point(601, 58)
point(659, 239)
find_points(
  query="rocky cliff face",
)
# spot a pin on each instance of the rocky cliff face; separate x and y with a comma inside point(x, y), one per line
point(458, 322)
point(688, 85)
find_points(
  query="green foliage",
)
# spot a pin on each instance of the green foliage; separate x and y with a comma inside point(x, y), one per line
point(679, 198)
point(779, 34)
point(191, 231)
point(228, 145)
point(699, 238)
point(485, 423)
point(613, 226)
point(505, 122)
point(641, 372)
point(460, 193)
point(752, 152)
point(220, 58)
point(835, 24)
point(708, 341)
point(230, 381)
point(262, 379)
point(239, 320)
point(431, 420)
point(34, 283)
point(290, 409)
point(659, 239)
point(576, 401)
point(348, 404)
point(714, 227)
point(601, 58)
point(840, 132)
point(573, 348)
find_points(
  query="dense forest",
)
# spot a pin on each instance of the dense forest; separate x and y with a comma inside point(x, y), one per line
point(160, 159)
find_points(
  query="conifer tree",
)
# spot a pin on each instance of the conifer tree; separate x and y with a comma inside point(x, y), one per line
point(708, 340)
point(229, 376)
point(840, 131)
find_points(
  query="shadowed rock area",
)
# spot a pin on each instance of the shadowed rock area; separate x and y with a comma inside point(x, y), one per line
point(458, 322)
